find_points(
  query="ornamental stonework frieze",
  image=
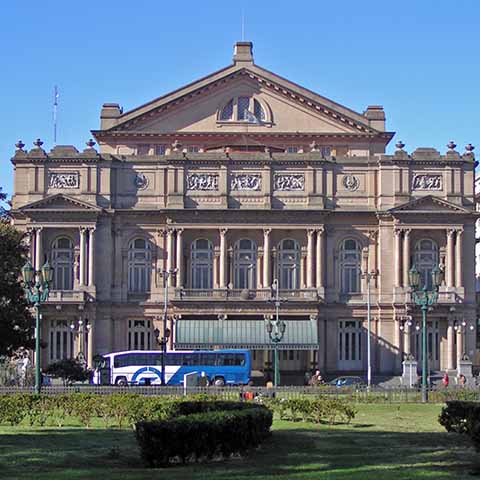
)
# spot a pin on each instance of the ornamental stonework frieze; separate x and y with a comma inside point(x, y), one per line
point(246, 182)
point(427, 182)
point(289, 182)
point(63, 180)
point(202, 181)
point(140, 181)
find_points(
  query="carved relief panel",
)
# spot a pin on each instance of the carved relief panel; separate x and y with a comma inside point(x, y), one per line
point(202, 182)
point(64, 180)
point(289, 182)
point(245, 182)
point(427, 182)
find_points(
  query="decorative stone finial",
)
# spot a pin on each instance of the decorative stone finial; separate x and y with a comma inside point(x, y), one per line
point(227, 150)
point(400, 145)
point(268, 151)
point(314, 147)
point(451, 145)
point(176, 146)
point(20, 145)
point(90, 143)
point(38, 143)
point(469, 148)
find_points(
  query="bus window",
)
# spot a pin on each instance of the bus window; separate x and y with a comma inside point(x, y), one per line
point(190, 359)
point(231, 359)
point(174, 359)
point(208, 359)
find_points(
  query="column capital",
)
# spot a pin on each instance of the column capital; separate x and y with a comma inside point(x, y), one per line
point(320, 230)
point(451, 232)
point(267, 231)
point(92, 229)
point(223, 231)
point(180, 231)
point(310, 232)
point(397, 231)
point(83, 230)
point(372, 234)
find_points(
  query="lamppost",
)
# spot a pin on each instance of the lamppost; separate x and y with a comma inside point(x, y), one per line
point(81, 327)
point(368, 276)
point(37, 288)
point(462, 328)
point(276, 330)
point(424, 298)
point(165, 274)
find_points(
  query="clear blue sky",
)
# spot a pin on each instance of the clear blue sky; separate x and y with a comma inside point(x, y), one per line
point(420, 59)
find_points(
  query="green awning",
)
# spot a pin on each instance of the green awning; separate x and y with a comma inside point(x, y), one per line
point(251, 334)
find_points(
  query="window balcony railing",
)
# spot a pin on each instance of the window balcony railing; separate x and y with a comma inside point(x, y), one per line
point(239, 294)
point(67, 296)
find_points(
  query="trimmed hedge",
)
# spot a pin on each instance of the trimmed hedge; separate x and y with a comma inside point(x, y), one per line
point(118, 409)
point(321, 409)
point(464, 418)
point(215, 429)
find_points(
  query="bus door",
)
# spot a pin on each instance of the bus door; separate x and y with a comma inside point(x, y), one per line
point(105, 372)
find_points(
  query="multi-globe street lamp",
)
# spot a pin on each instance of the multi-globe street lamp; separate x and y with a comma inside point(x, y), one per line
point(163, 341)
point(276, 331)
point(37, 287)
point(424, 298)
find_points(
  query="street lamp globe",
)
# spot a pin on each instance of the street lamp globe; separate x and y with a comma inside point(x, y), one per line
point(47, 272)
point(414, 278)
point(27, 272)
point(437, 277)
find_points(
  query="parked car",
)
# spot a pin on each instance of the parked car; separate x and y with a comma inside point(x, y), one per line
point(347, 381)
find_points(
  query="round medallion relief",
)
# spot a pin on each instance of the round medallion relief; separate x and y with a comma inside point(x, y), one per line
point(350, 182)
point(141, 181)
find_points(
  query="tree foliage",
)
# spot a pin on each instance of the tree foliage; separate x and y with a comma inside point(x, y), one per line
point(69, 370)
point(16, 322)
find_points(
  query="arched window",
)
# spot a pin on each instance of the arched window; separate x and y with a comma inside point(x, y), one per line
point(426, 258)
point(202, 263)
point(350, 266)
point(288, 264)
point(139, 265)
point(245, 264)
point(243, 109)
point(62, 263)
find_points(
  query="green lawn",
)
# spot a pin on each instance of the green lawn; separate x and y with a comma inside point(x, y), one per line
point(383, 442)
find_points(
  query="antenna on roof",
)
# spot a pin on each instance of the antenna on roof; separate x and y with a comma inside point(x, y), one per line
point(55, 105)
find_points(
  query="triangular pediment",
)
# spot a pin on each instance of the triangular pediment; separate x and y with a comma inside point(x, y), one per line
point(194, 108)
point(430, 204)
point(59, 202)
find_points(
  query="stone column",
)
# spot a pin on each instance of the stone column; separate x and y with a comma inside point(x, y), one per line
point(310, 269)
point(223, 258)
point(170, 248)
point(459, 343)
point(450, 259)
point(180, 258)
point(320, 257)
point(406, 257)
point(266, 258)
point(83, 232)
point(450, 345)
point(90, 345)
point(91, 263)
point(398, 256)
point(406, 339)
point(31, 245)
point(459, 259)
point(38, 248)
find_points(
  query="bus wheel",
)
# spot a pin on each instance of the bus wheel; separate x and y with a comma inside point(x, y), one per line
point(121, 382)
point(219, 382)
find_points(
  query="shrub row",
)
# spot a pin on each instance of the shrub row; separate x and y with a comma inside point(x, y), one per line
point(308, 409)
point(462, 417)
point(222, 429)
point(117, 410)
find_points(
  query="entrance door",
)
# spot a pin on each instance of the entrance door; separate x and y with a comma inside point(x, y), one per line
point(350, 334)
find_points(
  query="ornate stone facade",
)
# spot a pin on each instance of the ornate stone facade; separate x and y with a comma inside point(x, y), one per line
point(302, 194)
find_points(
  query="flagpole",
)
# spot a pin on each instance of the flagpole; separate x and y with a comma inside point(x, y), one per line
point(55, 105)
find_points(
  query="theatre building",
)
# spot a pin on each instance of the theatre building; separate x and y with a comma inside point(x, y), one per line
point(234, 182)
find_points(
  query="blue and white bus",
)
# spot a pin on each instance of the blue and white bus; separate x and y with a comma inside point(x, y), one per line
point(144, 367)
